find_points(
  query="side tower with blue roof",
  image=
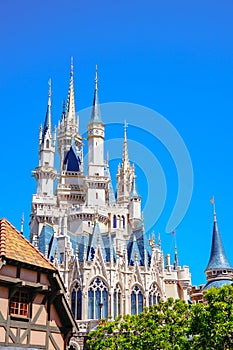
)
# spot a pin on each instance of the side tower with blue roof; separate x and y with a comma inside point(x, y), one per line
point(219, 270)
point(45, 174)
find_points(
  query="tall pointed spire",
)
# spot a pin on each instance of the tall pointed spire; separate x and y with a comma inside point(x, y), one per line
point(218, 258)
point(47, 122)
point(125, 156)
point(70, 111)
point(218, 271)
point(95, 115)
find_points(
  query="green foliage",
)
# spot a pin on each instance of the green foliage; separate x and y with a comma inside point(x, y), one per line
point(211, 325)
point(172, 325)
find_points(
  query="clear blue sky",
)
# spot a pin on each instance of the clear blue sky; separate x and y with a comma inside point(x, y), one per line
point(175, 57)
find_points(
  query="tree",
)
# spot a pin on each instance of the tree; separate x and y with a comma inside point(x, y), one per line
point(160, 327)
point(172, 325)
point(211, 324)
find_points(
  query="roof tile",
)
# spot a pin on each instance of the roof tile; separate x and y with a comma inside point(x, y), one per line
point(13, 245)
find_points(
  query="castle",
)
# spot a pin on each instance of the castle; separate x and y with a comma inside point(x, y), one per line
point(95, 238)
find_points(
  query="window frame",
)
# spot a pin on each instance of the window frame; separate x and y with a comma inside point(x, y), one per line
point(20, 301)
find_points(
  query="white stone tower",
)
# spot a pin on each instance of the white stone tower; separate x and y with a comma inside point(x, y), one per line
point(45, 174)
point(96, 181)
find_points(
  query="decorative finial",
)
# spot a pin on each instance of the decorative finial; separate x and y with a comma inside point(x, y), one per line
point(125, 157)
point(214, 210)
point(96, 77)
point(50, 88)
point(71, 66)
point(159, 240)
point(152, 240)
point(22, 223)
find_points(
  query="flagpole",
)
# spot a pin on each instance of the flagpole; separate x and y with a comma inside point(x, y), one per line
point(213, 203)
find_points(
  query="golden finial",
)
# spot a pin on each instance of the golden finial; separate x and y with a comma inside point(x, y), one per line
point(214, 210)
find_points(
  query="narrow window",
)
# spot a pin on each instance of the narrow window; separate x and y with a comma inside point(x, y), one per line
point(136, 301)
point(76, 301)
point(154, 295)
point(117, 301)
point(114, 224)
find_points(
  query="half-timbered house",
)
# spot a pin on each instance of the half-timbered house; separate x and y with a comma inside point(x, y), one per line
point(34, 312)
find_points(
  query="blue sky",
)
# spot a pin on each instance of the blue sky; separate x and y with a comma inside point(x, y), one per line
point(174, 57)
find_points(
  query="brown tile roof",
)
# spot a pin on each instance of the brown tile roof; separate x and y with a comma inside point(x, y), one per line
point(13, 245)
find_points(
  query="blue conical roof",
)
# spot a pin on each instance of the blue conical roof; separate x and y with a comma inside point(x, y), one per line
point(95, 114)
point(47, 122)
point(134, 191)
point(218, 258)
point(72, 161)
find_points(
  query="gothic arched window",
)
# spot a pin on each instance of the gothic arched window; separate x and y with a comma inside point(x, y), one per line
point(114, 223)
point(154, 294)
point(76, 301)
point(97, 300)
point(136, 301)
point(47, 143)
point(117, 301)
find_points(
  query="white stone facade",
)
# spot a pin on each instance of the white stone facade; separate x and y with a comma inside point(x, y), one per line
point(97, 241)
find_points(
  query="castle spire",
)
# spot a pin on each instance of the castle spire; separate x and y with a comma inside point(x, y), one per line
point(95, 115)
point(176, 260)
point(70, 111)
point(218, 258)
point(125, 173)
point(125, 156)
point(134, 192)
point(218, 271)
point(47, 122)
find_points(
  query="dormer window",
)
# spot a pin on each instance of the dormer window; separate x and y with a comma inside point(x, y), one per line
point(47, 143)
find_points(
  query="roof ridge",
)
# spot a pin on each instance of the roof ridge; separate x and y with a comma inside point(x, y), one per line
point(3, 230)
point(3, 237)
